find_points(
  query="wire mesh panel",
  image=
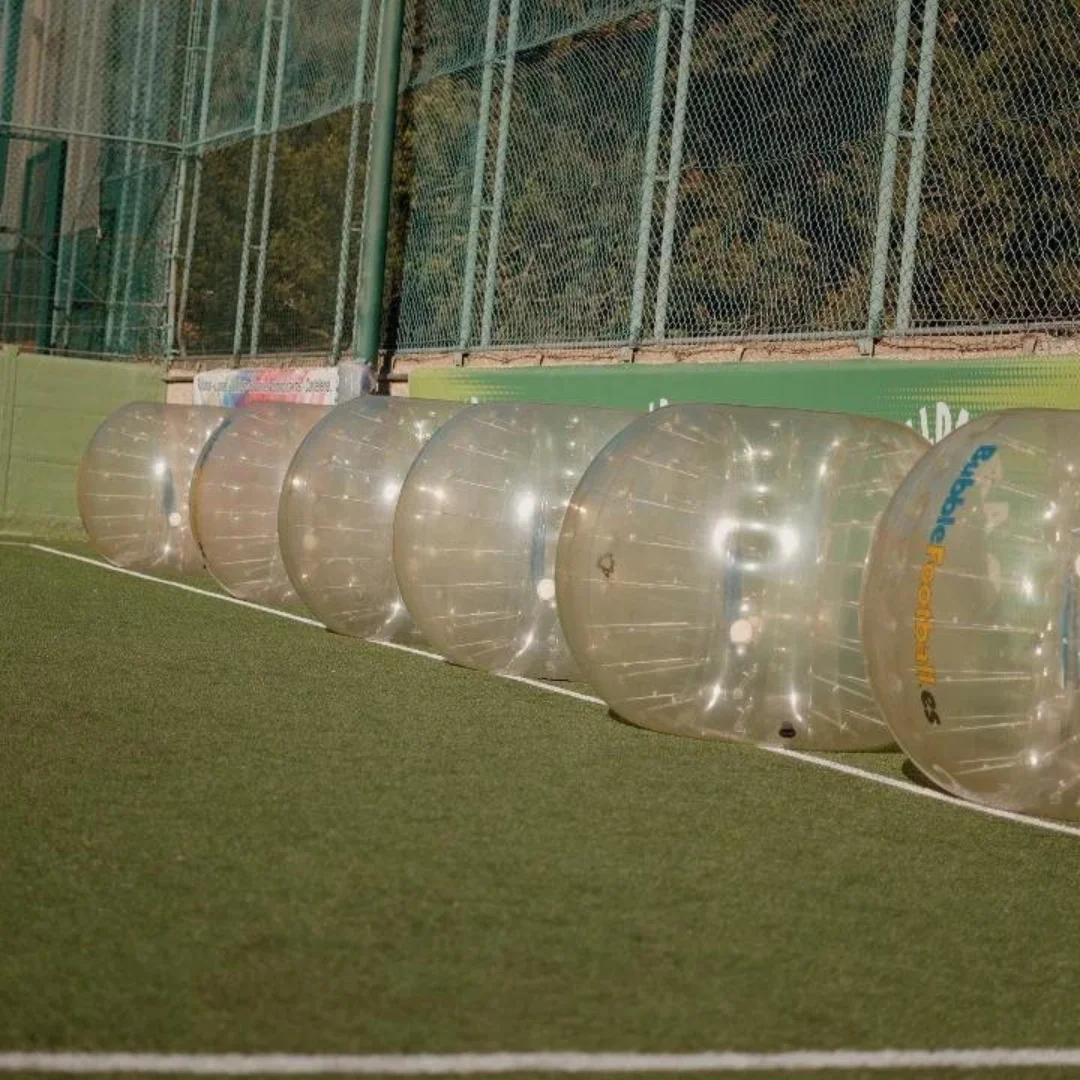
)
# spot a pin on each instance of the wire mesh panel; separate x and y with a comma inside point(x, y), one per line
point(305, 235)
point(779, 176)
point(565, 259)
point(211, 302)
point(999, 219)
point(442, 117)
point(565, 171)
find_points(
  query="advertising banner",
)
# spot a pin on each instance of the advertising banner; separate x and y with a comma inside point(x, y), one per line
point(931, 397)
point(232, 387)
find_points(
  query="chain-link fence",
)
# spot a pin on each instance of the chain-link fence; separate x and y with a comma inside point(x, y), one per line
point(187, 176)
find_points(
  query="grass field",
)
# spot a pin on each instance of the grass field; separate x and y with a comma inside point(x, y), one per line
point(224, 831)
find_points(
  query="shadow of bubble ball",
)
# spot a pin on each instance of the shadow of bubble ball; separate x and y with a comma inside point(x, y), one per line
point(336, 518)
point(476, 528)
point(972, 626)
point(133, 484)
point(235, 495)
point(711, 566)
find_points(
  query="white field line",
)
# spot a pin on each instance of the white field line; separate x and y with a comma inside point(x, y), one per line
point(510, 1063)
point(925, 792)
point(795, 755)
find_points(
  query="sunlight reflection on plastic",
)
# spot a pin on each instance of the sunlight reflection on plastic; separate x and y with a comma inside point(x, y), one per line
point(711, 565)
point(235, 495)
point(972, 621)
point(476, 529)
point(133, 483)
point(336, 518)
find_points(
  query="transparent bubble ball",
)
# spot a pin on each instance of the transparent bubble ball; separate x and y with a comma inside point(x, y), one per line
point(235, 494)
point(336, 517)
point(476, 528)
point(972, 613)
point(133, 483)
point(711, 566)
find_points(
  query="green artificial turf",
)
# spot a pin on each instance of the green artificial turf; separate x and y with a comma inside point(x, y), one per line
point(223, 831)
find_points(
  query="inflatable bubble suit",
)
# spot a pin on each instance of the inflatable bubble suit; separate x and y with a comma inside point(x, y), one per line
point(476, 529)
point(711, 566)
point(133, 483)
point(972, 613)
point(235, 495)
point(336, 518)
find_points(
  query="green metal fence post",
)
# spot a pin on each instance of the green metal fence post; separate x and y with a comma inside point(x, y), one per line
point(129, 150)
point(367, 329)
point(140, 179)
point(875, 322)
point(13, 31)
point(648, 172)
point(268, 183)
point(187, 106)
point(918, 162)
point(674, 170)
point(253, 179)
point(196, 180)
point(359, 77)
point(476, 193)
point(499, 189)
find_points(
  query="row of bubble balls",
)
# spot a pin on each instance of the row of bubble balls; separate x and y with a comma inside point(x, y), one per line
point(782, 577)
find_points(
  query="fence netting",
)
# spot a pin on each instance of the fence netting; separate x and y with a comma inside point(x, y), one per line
point(187, 177)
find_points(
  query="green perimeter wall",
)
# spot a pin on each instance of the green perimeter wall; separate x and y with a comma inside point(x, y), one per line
point(932, 397)
point(49, 408)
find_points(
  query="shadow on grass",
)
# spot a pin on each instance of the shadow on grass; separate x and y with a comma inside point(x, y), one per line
point(913, 773)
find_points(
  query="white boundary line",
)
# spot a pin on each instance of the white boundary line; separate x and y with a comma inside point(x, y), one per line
point(508, 1063)
point(796, 755)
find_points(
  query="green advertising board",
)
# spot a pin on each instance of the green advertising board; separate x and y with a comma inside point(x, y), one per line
point(931, 397)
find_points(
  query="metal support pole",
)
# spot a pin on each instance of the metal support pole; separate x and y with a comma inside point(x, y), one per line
point(918, 162)
point(674, 171)
point(140, 179)
point(88, 104)
point(498, 194)
point(476, 196)
point(368, 328)
point(9, 80)
point(187, 105)
point(876, 316)
point(118, 228)
point(37, 116)
point(253, 180)
point(359, 76)
point(648, 172)
point(196, 182)
point(82, 99)
point(268, 184)
point(365, 209)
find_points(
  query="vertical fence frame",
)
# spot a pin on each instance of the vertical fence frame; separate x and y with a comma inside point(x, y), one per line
point(674, 169)
point(367, 325)
point(140, 179)
point(268, 181)
point(129, 152)
point(476, 193)
point(875, 321)
point(349, 200)
point(919, 133)
point(187, 106)
point(648, 171)
point(491, 270)
point(253, 179)
point(196, 181)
